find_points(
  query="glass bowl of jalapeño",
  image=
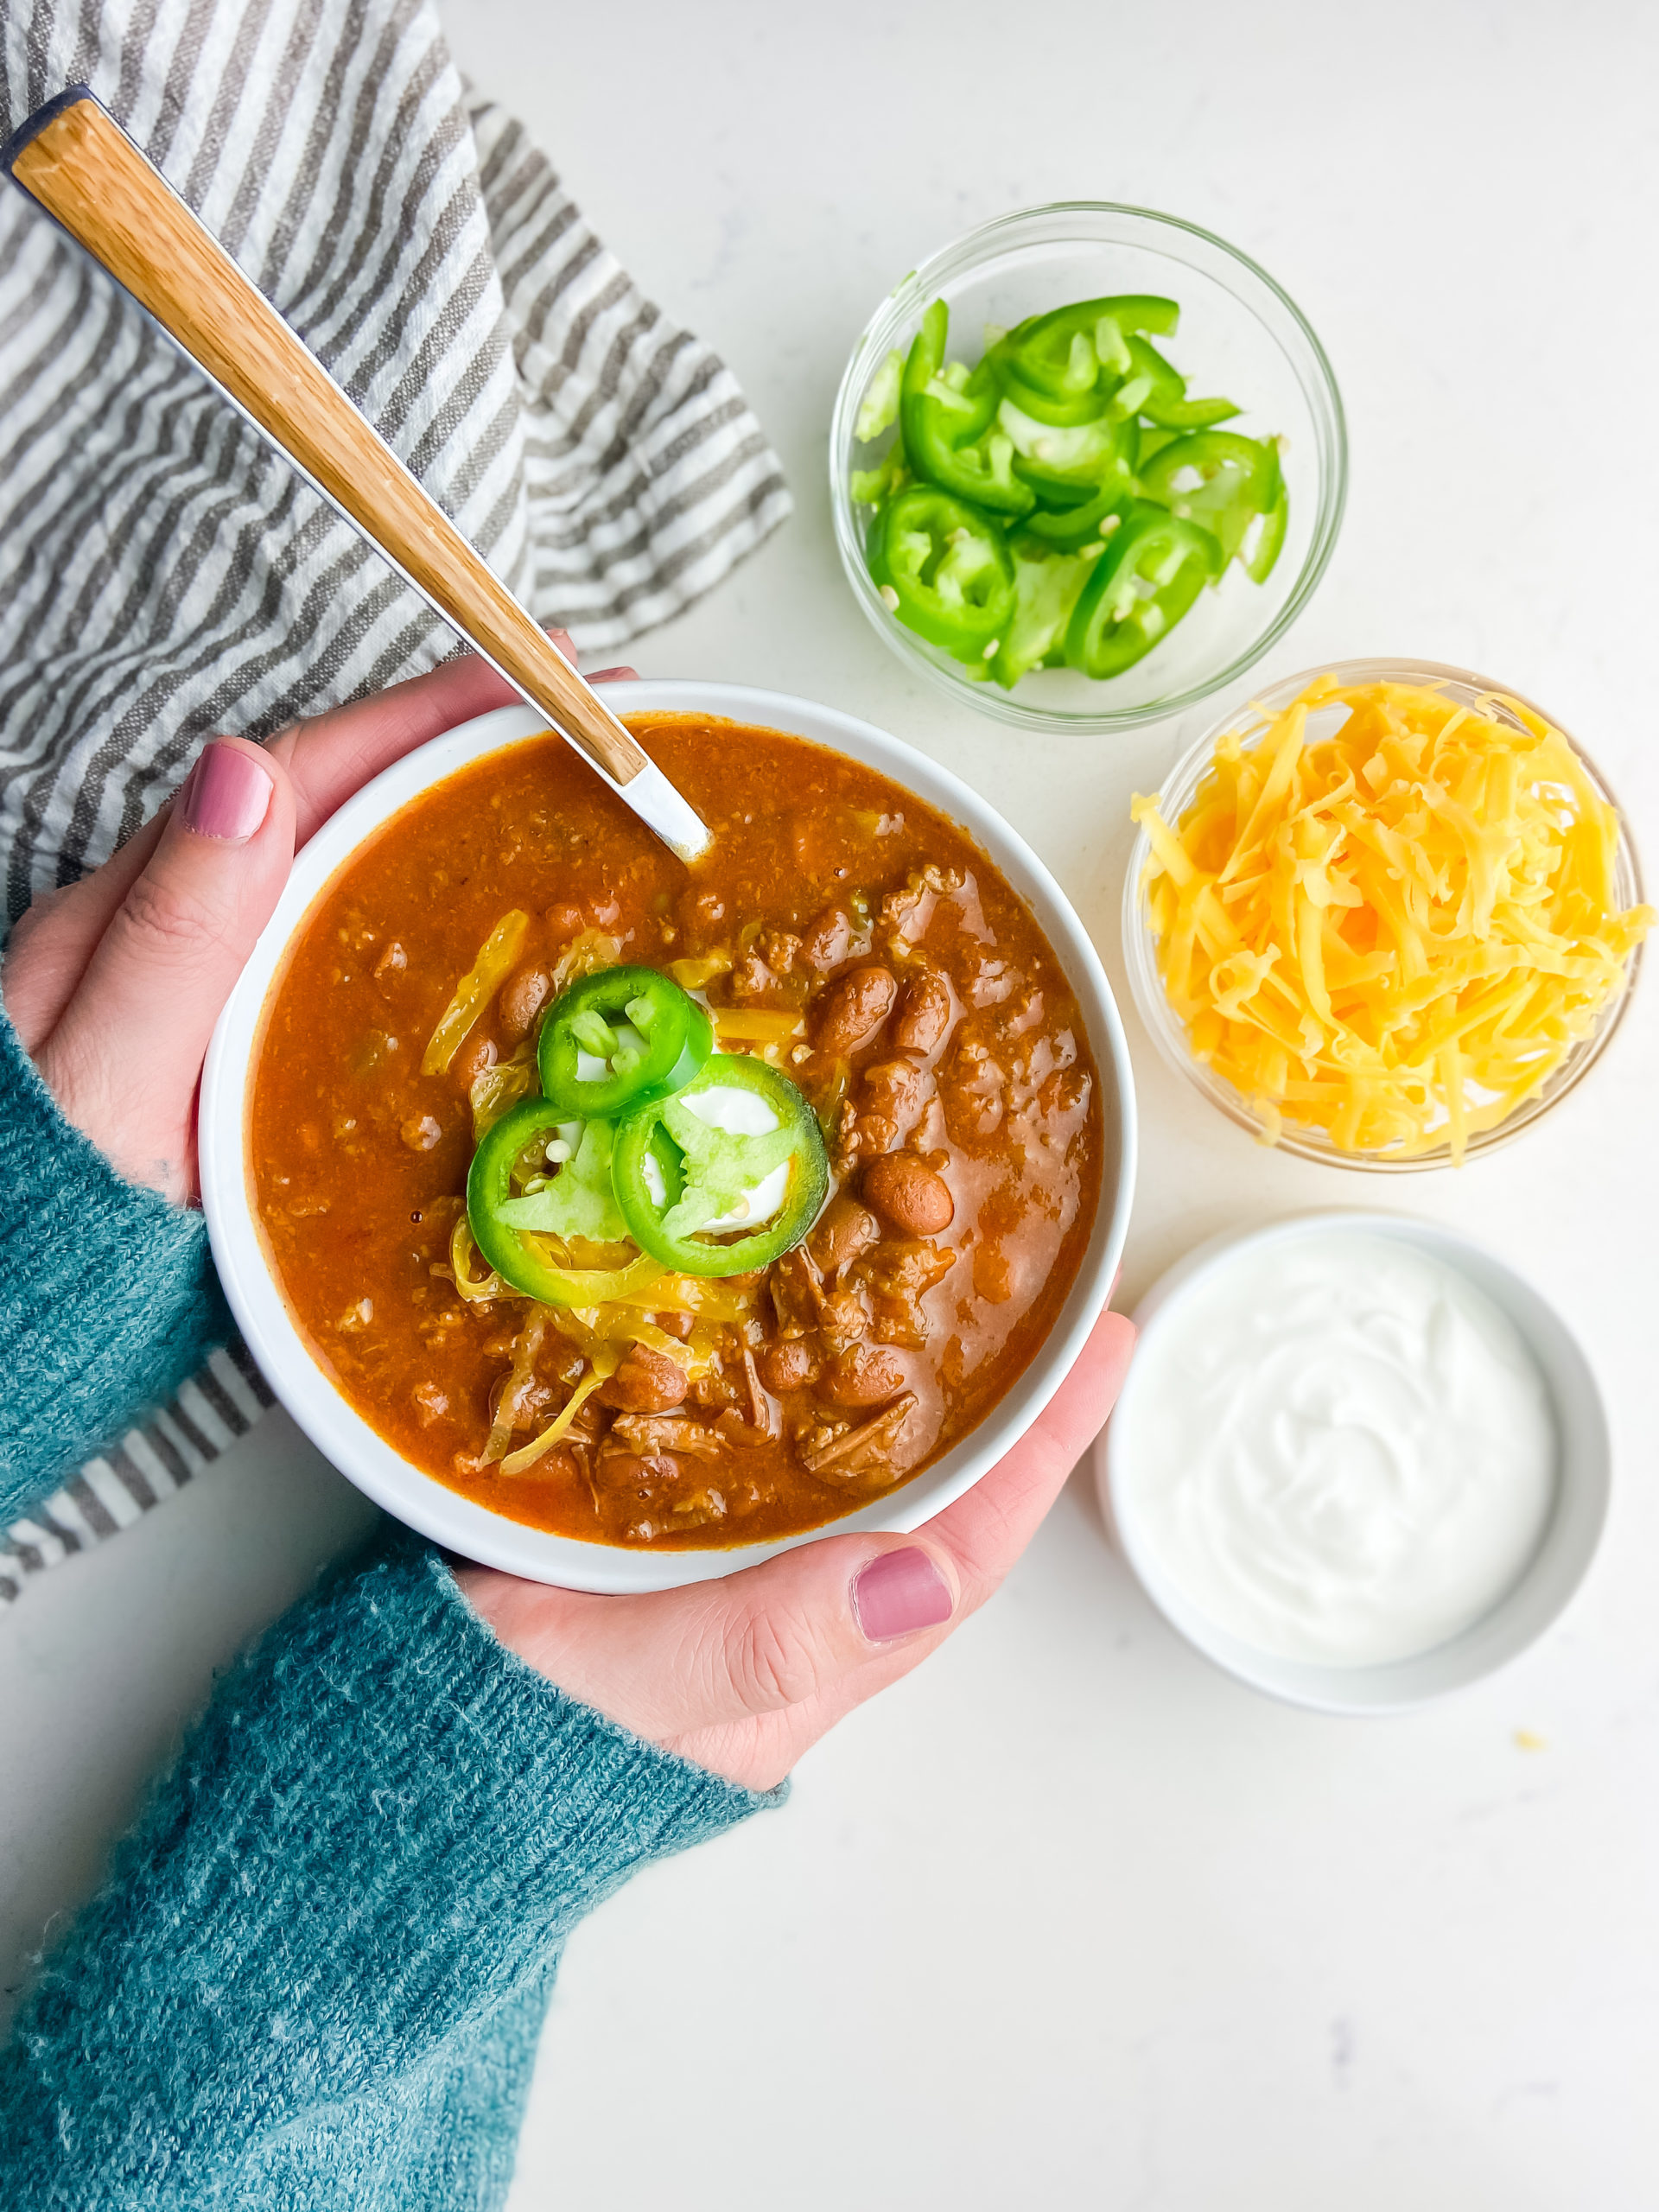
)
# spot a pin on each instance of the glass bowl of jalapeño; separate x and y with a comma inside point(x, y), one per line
point(1087, 466)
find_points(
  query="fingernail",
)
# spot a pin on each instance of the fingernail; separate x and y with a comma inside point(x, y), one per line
point(227, 794)
point(898, 1593)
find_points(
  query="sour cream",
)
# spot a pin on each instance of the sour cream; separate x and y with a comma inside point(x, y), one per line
point(1336, 1447)
point(740, 1113)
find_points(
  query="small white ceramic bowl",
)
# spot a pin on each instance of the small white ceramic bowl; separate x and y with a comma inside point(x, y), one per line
point(1546, 1584)
point(460, 1522)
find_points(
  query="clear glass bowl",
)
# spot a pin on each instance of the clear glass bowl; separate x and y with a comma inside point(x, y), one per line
point(1140, 946)
point(1239, 334)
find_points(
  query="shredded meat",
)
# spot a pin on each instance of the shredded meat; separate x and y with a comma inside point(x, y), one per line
point(908, 912)
point(646, 1434)
point(890, 1097)
point(972, 1089)
point(797, 1293)
point(898, 1275)
point(843, 1322)
point(867, 1447)
point(700, 1508)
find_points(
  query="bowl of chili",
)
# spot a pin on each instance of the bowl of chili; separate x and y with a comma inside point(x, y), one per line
point(621, 1065)
point(948, 538)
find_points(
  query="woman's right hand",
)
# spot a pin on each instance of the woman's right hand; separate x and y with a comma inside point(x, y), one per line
point(113, 984)
point(743, 1675)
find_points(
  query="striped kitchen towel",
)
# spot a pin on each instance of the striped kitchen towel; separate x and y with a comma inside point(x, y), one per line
point(163, 575)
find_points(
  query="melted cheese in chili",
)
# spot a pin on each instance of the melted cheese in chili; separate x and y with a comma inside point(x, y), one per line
point(904, 987)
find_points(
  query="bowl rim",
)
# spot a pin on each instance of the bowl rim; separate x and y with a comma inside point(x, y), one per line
point(1158, 1018)
point(1545, 1586)
point(461, 1523)
point(1331, 434)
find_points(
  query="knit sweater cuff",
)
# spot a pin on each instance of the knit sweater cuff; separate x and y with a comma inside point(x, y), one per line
point(373, 1842)
point(108, 1298)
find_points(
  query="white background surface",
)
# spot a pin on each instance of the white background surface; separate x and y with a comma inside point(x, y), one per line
point(1067, 1918)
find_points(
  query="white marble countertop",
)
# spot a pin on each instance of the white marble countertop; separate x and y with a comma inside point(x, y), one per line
point(1068, 1918)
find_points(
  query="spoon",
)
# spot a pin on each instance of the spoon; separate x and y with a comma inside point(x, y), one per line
point(75, 159)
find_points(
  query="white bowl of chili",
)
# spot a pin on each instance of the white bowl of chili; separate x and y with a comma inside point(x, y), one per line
point(314, 1369)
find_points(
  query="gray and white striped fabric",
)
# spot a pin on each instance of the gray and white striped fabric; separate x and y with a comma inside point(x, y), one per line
point(150, 1462)
point(162, 575)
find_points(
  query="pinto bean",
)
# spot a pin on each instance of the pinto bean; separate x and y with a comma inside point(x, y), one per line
point(647, 1381)
point(864, 1375)
point(853, 1009)
point(912, 1196)
point(787, 1367)
point(922, 1019)
point(623, 1469)
point(674, 1324)
point(521, 998)
point(828, 941)
point(842, 1231)
point(478, 1053)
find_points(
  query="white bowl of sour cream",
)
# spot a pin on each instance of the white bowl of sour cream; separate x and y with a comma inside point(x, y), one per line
point(1358, 1462)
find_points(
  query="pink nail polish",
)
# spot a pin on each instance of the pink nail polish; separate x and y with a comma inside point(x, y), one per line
point(227, 794)
point(897, 1593)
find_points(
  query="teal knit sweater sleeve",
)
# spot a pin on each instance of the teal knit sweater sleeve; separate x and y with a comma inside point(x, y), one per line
point(108, 1298)
point(318, 1972)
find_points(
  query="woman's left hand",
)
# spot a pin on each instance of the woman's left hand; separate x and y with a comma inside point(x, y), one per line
point(743, 1674)
point(114, 984)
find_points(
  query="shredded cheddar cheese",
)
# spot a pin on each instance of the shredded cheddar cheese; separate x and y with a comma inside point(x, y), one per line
point(1390, 923)
point(606, 1362)
point(495, 964)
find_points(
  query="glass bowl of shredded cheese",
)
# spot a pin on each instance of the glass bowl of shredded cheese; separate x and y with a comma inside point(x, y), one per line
point(1385, 916)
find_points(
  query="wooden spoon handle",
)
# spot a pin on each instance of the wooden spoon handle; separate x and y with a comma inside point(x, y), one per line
point(84, 170)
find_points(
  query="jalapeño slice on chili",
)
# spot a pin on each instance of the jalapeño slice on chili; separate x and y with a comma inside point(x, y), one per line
point(946, 567)
point(747, 1147)
point(1152, 570)
point(640, 1037)
point(507, 1224)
